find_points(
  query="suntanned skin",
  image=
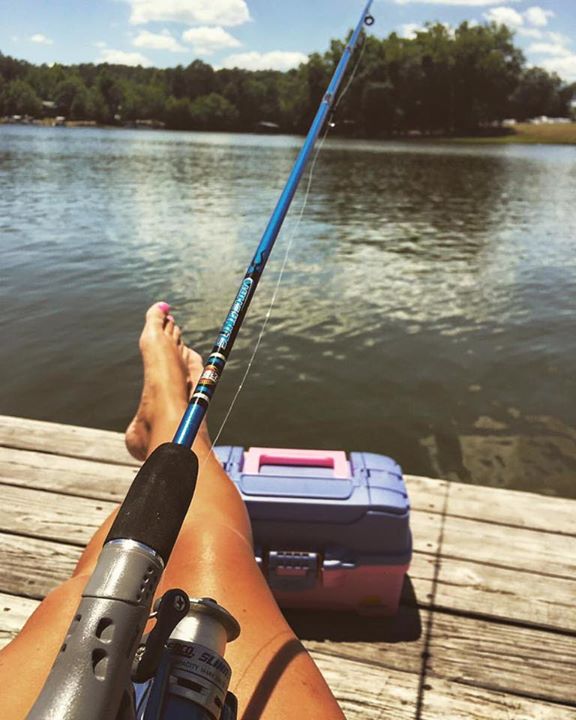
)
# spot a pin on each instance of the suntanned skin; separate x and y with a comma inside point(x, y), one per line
point(273, 676)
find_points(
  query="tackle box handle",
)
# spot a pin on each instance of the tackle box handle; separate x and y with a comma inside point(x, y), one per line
point(255, 457)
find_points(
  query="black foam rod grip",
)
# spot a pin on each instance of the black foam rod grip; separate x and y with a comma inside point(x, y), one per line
point(154, 508)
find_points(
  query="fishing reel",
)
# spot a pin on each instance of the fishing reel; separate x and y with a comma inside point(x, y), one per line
point(179, 671)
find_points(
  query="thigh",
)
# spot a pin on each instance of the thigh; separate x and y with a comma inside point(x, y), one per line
point(271, 671)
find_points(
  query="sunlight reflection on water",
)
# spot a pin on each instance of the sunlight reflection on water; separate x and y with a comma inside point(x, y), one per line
point(426, 310)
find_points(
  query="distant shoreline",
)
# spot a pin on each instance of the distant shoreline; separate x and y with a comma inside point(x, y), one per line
point(520, 134)
point(526, 134)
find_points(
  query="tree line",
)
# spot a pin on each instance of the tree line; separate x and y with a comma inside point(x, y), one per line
point(439, 81)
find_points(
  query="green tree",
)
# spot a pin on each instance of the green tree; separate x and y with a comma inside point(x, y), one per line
point(379, 109)
point(20, 99)
point(539, 93)
point(177, 115)
point(97, 107)
point(110, 91)
point(12, 69)
point(442, 80)
point(198, 79)
point(486, 72)
point(142, 102)
point(213, 112)
point(66, 94)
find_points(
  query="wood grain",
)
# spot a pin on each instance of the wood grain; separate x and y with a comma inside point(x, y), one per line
point(69, 476)
point(39, 514)
point(70, 440)
point(31, 567)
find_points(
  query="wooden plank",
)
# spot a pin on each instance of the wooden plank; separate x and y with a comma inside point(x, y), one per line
point(71, 440)
point(480, 588)
point(507, 507)
point(476, 652)
point(39, 513)
point(521, 661)
point(495, 505)
point(524, 549)
point(445, 700)
point(367, 692)
point(71, 476)
point(462, 586)
point(519, 548)
point(506, 594)
point(34, 513)
point(33, 567)
point(14, 611)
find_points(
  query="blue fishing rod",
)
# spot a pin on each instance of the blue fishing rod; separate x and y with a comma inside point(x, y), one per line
point(105, 667)
point(206, 386)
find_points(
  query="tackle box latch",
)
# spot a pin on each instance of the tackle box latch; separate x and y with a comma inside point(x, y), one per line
point(291, 569)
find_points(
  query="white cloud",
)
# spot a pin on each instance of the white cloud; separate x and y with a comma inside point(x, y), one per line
point(120, 57)
point(561, 58)
point(157, 41)
point(409, 30)
point(466, 3)
point(192, 12)
point(207, 40)
point(100, 44)
point(275, 60)
point(565, 66)
point(537, 16)
point(527, 23)
point(530, 32)
point(505, 16)
point(559, 39)
point(41, 39)
point(549, 49)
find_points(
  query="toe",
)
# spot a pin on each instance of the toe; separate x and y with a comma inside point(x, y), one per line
point(156, 314)
point(194, 365)
point(169, 326)
point(177, 334)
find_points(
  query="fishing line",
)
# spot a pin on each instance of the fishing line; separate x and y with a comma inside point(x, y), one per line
point(352, 75)
point(274, 294)
point(290, 241)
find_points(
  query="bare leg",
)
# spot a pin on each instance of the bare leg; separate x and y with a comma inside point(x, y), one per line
point(272, 674)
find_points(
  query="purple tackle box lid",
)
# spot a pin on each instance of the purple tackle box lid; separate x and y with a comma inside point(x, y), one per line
point(354, 508)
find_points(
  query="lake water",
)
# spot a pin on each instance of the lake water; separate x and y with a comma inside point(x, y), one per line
point(426, 310)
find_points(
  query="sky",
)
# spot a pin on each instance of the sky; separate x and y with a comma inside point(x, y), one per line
point(259, 34)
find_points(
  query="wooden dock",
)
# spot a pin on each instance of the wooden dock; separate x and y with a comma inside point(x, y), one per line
point(487, 626)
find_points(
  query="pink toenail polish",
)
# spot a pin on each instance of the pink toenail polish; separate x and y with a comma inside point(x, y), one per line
point(163, 306)
point(171, 318)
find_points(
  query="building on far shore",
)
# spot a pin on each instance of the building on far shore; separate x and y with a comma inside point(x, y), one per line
point(269, 128)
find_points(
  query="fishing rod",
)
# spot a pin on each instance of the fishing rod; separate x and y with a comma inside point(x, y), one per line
point(206, 386)
point(179, 669)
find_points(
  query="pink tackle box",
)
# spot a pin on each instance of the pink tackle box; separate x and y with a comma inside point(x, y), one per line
point(330, 531)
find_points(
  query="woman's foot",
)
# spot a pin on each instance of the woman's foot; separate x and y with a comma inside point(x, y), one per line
point(171, 369)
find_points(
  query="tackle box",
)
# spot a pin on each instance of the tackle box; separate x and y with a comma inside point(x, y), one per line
point(330, 531)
